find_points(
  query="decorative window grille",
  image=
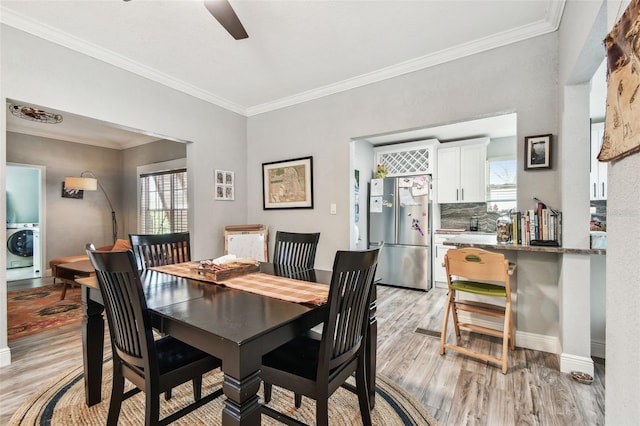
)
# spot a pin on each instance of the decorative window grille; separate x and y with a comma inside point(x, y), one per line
point(163, 202)
point(406, 161)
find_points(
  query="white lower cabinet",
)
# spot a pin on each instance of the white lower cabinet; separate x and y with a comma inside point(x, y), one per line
point(439, 272)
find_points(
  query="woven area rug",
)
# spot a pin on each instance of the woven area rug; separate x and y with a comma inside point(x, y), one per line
point(38, 309)
point(61, 402)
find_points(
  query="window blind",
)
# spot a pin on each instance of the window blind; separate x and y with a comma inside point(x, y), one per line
point(163, 204)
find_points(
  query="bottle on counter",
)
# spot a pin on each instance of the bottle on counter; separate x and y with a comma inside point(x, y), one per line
point(503, 229)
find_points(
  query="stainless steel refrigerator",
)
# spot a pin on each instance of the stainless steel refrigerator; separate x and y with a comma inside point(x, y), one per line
point(400, 217)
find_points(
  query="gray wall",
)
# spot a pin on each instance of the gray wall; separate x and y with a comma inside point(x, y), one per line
point(442, 94)
point(86, 86)
point(71, 223)
point(483, 84)
point(583, 28)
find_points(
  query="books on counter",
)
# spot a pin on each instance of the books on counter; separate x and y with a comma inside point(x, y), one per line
point(539, 226)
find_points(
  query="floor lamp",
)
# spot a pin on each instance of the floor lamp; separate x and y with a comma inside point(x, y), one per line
point(87, 181)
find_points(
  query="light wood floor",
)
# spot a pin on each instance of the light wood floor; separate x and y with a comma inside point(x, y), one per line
point(456, 390)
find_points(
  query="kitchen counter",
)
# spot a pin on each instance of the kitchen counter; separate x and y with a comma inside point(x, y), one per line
point(488, 241)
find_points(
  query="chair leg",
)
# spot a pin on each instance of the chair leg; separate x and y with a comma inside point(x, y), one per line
point(117, 390)
point(167, 395)
point(197, 388)
point(505, 338)
point(454, 315)
point(297, 400)
point(152, 408)
point(445, 321)
point(322, 410)
point(512, 331)
point(64, 290)
point(363, 397)
point(267, 392)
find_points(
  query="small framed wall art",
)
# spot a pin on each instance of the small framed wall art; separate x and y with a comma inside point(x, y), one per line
point(288, 184)
point(224, 186)
point(72, 193)
point(537, 152)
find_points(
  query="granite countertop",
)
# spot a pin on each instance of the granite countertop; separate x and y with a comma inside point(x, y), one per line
point(461, 241)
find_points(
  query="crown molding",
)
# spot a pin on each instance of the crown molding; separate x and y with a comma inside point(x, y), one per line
point(61, 38)
point(417, 64)
point(551, 23)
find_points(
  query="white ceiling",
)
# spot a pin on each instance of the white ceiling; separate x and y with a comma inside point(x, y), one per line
point(297, 50)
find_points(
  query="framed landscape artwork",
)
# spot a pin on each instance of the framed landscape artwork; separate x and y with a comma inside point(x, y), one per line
point(288, 184)
point(537, 152)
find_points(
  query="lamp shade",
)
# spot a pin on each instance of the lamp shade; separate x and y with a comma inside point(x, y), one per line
point(84, 183)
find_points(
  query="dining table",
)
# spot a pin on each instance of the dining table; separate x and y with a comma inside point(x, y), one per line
point(236, 325)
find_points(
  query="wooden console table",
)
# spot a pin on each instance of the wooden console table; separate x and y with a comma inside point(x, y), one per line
point(69, 272)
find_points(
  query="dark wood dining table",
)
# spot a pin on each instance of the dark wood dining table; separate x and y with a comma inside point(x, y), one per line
point(234, 325)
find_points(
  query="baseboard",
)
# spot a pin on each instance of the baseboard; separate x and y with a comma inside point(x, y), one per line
point(598, 349)
point(569, 363)
point(540, 342)
point(5, 356)
point(537, 342)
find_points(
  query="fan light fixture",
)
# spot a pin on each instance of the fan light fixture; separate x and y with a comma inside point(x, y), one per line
point(34, 114)
point(87, 181)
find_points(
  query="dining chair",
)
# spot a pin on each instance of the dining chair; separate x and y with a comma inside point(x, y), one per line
point(316, 368)
point(160, 249)
point(153, 366)
point(295, 249)
point(486, 275)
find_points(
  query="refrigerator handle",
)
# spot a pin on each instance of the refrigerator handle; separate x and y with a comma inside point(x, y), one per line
point(457, 194)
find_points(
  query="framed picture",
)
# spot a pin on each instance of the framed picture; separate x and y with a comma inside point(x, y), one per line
point(224, 185)
point(537, 152)
point(72, 193)
point(288, 184)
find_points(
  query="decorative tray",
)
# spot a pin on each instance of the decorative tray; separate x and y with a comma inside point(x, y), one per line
point(581, 377)
point(225, 271)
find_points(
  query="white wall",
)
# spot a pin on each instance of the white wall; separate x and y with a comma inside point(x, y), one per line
point(37, 71)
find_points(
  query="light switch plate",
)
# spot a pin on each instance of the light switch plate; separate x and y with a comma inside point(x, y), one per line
point(334, 208)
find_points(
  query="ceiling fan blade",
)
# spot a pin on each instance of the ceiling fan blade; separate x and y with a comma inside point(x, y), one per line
point(223, 12)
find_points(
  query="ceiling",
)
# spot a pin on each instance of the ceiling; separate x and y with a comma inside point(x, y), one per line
point(297, 50)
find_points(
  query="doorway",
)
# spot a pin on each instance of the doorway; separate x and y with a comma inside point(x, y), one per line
point(24, 216)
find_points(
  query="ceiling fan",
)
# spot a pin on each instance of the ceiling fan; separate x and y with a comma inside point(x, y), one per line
point(224, 13)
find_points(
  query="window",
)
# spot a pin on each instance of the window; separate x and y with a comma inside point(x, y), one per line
point(163, 202)
point(502, 188)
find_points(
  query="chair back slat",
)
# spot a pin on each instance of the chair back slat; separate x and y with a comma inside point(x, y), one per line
point(478, 265)
point(160, 249)
point(349, 294)
point(125, 307)
point(296, 249)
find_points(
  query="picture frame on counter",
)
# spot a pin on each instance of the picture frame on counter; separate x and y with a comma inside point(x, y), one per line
point(537, 152)
point(288, 184)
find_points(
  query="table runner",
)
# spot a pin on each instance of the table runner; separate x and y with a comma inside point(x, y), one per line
point(288, 289)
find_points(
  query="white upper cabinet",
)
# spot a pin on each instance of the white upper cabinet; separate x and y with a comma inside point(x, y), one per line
point(461, 171)
point(598, 175)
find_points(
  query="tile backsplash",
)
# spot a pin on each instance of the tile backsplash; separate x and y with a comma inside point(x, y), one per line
point(458, 216)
